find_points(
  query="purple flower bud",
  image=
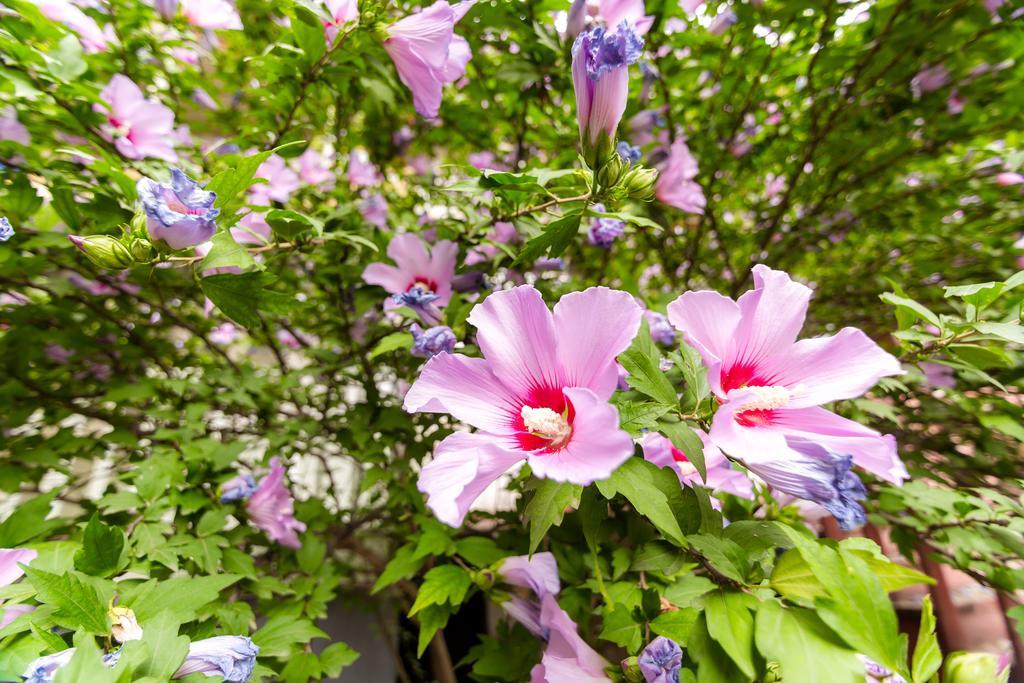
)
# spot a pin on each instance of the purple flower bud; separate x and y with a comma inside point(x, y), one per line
point(180, 214)
point(420, 300)
point(600, 76)
point(722, 22)
point(628, 153)
point(237, 488)
point(43, 669)
point(662, 330)
point(231, 657)
point(6, 231)
point(661, 661)
point(604, 231)
point(432, 341)
point(470, 281)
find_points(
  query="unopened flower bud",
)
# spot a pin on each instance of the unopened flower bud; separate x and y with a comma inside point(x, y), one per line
point(631, 670)
point(639, 182)
point(610, 171)
point(124, 625)
point(141, 249)
point(970, 667)
point(104, 251)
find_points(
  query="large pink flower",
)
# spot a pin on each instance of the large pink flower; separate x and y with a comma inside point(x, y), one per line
point(66, 13)
point(539, 394)
point(771, 386)
point(139, 127)
point(342, 12)
point(211, 14)
point(721, 475)
point(676, 186)
point(427, 53)
point(272, 510)
point(567, 657)
point(613, 12)
point(419, 279)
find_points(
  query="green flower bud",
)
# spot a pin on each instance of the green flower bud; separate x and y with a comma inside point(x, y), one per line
point(639, 183)
point(104, 251)
point(141, 249)
point(137, 226)
point(610, 171)
point(973, 667)
point(631, 670)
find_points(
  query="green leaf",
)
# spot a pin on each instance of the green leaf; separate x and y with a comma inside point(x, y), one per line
point(67, 62)
point(231, 183)
point(239, 296)
point(714, 665)
point(336, 657)
point(1010, 332)
point(432, 619)
point(676, 624)
point(731, 624)
point(927, 655)
point(290, 224)
point(86, 664)
point(225, 252)
point(620, 628)
point(166, 649)
point(558, 235)
point(78, 605)
point(180, 596)
point(102, 545)
point(806, 650)
point(685, 591)
point(724, 555)
point(282, 631)
point(309, 33)
point(28, 521)
point(479, 550)
point(637, 416)
point(403, 565)
point(909, 310)
point(446, 583)
point(392, 342)
point(302, 667)
point(642, 361)
point(547, 507)
point(653, 491)
point(686, 440)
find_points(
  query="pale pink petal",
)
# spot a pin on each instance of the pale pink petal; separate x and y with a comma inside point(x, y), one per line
point(708, 321)
point(10, 558)
point(610, 96)
point(462, 467)
point(9, 613)
point(596, 448)
point(516, 332)
point(343, 11)
point(466, 388)
point(410, 253)
point(121, 93)
point(568, 658)
point(440, 269)
point(390, 278)
point(834, 368)
point(593, 327)
point(459, 54)
point(539, 573)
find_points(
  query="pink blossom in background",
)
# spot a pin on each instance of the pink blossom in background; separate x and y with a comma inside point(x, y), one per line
point(224, 334)
point(420, 279)
point(374, 210)
point(427, 54)
point(315, 169)
point(567, 657)
point(342, 12)
point(938, 375)
point(614, 12)
point(271, 508)
point(771, 386)
point(361, 171)
point(721, 23)
point(929, 79)
point(64, 12)
point(955, 103)
point(691, 6)
point(481, 160)
point(676, 186)
point(502, 233)
point(721, 475)
point(281, 182)
point(12, 129)
point(773, 185)
point(10, 558)
point(139, 127)
point(1008, 178)
point(540, 393)
point(211, 14)
point(57, 353)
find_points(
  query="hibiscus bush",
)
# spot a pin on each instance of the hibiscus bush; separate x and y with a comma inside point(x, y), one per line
point(565, 341)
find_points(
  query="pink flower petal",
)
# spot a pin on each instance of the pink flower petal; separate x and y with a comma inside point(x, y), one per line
point(516, 332)
point(593, 327)
point(538, 572)
point(708, 321)
point(466, 388)
point(462, 467)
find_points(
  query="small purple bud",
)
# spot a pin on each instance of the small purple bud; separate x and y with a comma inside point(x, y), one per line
point(237, 488)
point(6, 231)
point(662, 330)
point(432, 341)
point(628, 152)
point(661, 661)
point(604, 231)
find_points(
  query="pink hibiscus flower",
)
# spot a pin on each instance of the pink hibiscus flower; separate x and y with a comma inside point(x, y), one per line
point(540, 393)
point(427, 53)
point(271, 508)
point(211, 14)
point(567, 657)
point(771, 386)
point(342, 12)
point(420, 279)
point(139, 127)
point(676, 186)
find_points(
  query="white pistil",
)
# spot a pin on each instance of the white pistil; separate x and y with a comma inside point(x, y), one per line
point(546, 423)
point(768, 398)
